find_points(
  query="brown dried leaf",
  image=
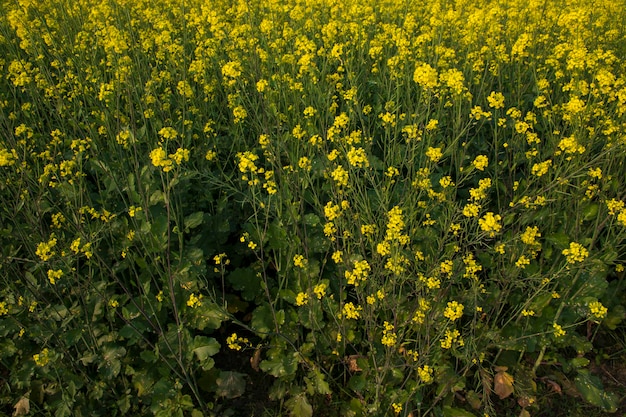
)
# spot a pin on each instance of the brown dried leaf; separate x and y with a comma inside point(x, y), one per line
point(503, 384)
point(22, 407)
point(255, 359)
point(352, 364)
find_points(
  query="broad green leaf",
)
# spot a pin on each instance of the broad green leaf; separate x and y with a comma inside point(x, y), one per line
point(263, 320)
point(203, 348)
point(299, 406)
point(592, 391)
point(246, 281)
point(230, 384)
point(456, 412)
point(193, 220)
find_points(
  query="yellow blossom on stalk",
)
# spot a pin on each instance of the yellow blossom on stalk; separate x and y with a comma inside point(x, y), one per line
point(480, 162)
point(558, 330)
point(472, 268)
point(210, 155)
point(368, 229)
point(595, 173)
point(299, 261)
point(621, 217)
point(397, 408)
point(7, 158)
point(358, 158)
point(3, 308)
point(527, 313)
point(425, 373)
point(320, 290)
point(569, 145)
point(575, 253)
point(304, 164)
point(597, 310)
point(340, 175)
point(194, 300)
point(159, 159)
point(389, 336)
point(351, 312)
point(57, 220)
point(434, 154)
point(446, 182)
point(471, 210)
point(180, 156)
point(446, 267)
point(44, 249)
point(530, 235)
point(261, 85)
point(332, 211)
point(450, 337)
point(132, 210)
point(302, 299)
point(337, 256)
point(233, 341)
point(495, 100)
point(358, 274)
point(168, 133)
point(541, 168)
point(490, 223)
point(42, 358)
point(54, 275)
point(395, 226)
point(75, 245)
point(453, 311)
point(522, 262)
point(426, 76)
point(432, 124)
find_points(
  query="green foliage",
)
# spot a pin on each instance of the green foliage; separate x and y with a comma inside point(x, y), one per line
point(390, 208)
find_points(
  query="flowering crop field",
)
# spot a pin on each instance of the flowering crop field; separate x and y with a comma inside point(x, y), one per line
point(406, 208)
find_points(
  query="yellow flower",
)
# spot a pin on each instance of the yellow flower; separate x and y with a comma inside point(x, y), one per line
point(496, 100)
point(44, 249)
point(42, 358)
point(351, 312)
point(453, 311)
point(358, 274)
point(7, 158)
point(522, 262)
point(597, 310)
point(194, 300)
point(575, 253)
point(389, 336)
point(558, 330)
point(320, 290)
point(299, 261)
point(302, 299)
point(434, 154)
point(490, 223)
point(471, 210)
point(233, 341)
point(480, 162)
point(358, 158)
point(340, 175)
point(425, 373)
point(54, 275)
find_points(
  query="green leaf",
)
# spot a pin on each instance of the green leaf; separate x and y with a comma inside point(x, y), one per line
point(230, 384)
point(280, 365)
point(299, 406)
point(263, 320)
point(193, 220)
point(246, 281)
point(456, 412)
point(592, 391)
point(590, 211)
point(203, 348)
